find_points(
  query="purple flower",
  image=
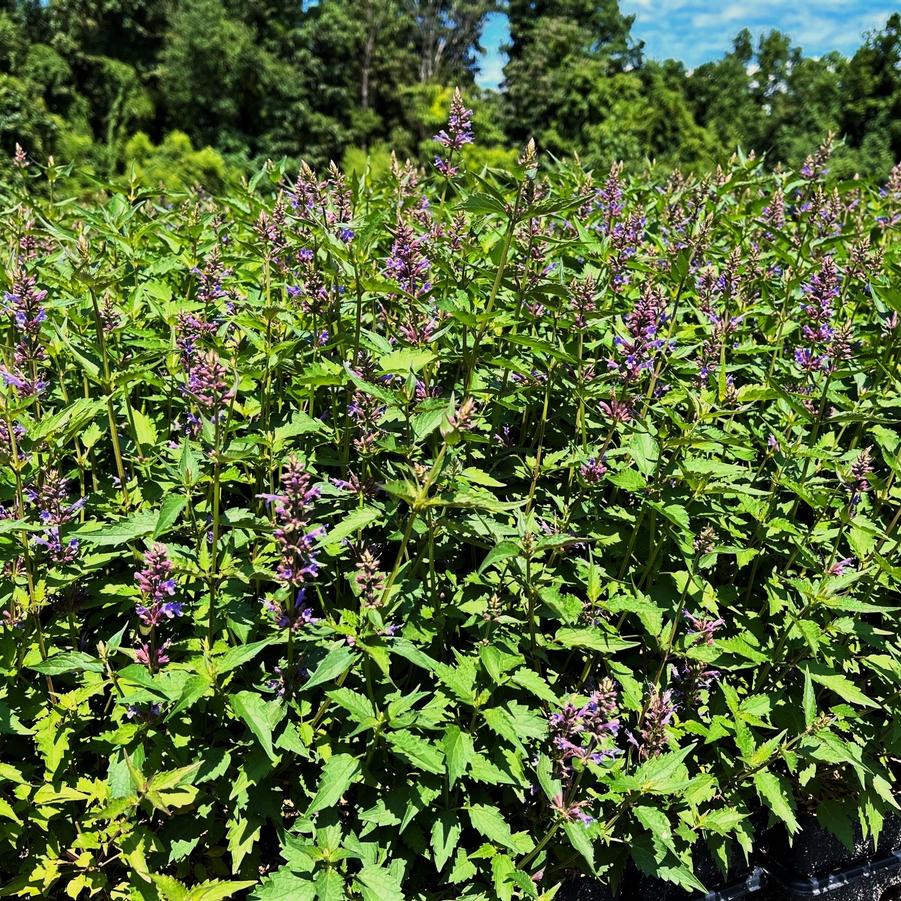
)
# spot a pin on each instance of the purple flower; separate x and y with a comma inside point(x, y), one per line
point(407, 265)
point(153, 657)
point(293, 616)
point(571, 811)
point(144, 713)
point(593, 470)
point(859, 476)
point(660, 708)
point(293, 535)
point(638, 351)
point(24, 306)
point(703, 630)
point(209, 278)
point(838, 568)
point(821, 292)
point(207, 385)
point(459, 125)
point(59, 552)
point(156, 584)
point(582, 297)
point(190, 332)
point(369, 579)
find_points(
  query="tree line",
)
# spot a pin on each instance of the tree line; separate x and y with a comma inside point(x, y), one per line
point(200, 86)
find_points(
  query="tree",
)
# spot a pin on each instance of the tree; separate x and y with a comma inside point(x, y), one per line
point(557, 48)
point(871, 98)
point(214, 76)
point(448, 33)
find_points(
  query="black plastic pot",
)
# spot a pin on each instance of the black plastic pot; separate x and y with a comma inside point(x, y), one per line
point(742, 879)
point(815, 851)
point(748, 885)
point(868, 881)
point(645, 889)
point(587, 889)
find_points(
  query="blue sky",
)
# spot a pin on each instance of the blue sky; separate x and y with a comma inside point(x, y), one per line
point(695, 31)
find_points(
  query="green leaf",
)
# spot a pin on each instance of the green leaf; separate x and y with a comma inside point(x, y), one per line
point(330, 667)
point(216, 889)
point(337, 775)
point(458, 749)
point(577, 833)
point(283, 885)
point(67, 662)
point(775, 792)
point(501, 551)
point(349, 525)
point(136, 526)
point(810, 701)
point(194, 688)
point(169, 513)
point(446, 832)
point(260, 716)
point(592, 639)
point(70, 419)
point(628, 480)
point(407, 360)
point(378, 884)
point(536, 685)
point(357, 705)
point(329, 886)
point(488, 821)
point(483, 203)
point(145, 430)
point(657, 823)
point(424, 755)
point(841, 685)
point(238, 656)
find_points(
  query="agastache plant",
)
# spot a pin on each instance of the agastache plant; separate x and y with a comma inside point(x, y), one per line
point(456, 136)
point(504, 525)
point(157, 585)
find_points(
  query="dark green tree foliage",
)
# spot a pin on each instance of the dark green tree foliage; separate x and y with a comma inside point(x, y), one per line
point(214, 75)
point(447, 37)
point(336, 79)
point(871, 93)
point(563, 57)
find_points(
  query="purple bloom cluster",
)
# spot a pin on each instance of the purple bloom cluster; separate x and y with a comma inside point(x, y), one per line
point(859, 477)
point(820, 292)
point(54, 510)
point(407, 264)
point(190, 332)
point(586, 733)
point(293, 535)
point(459, 125)
point(582, 299)
point(208, 384)
point(593, 470)
point(639, 350)
point(703, 629)
point(291, 616)
point(369, 579)
point(210, 277)
point(156, 584)
point(24, 306)
point(659, 710)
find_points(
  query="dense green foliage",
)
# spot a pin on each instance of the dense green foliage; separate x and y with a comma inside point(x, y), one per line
point(441, 536)
point(318, 81)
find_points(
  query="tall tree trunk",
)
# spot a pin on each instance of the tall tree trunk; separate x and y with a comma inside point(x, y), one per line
point(368, 48)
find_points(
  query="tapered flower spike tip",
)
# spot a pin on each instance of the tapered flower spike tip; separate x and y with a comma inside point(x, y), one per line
point(529, 157)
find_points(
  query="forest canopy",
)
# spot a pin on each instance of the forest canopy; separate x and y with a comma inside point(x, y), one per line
point(189, 92)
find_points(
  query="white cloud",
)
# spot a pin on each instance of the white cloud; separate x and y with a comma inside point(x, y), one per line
point(695, 31)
